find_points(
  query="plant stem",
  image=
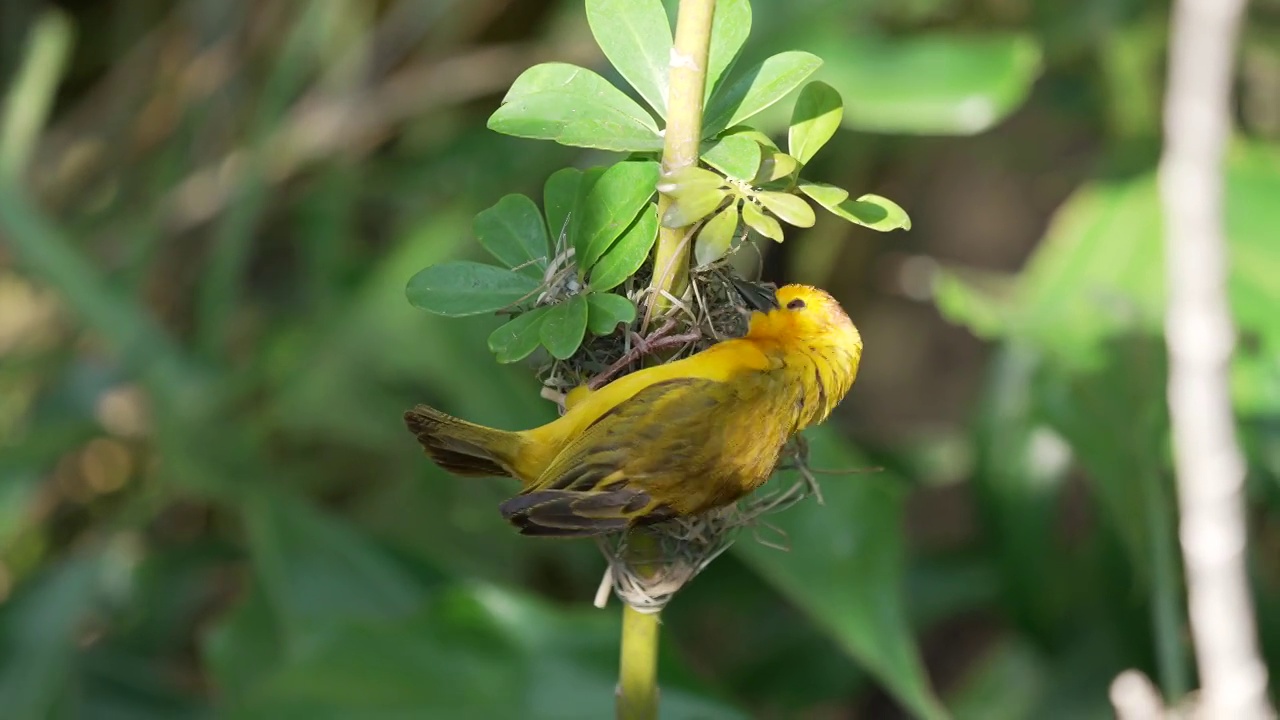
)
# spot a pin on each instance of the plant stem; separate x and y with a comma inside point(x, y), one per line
point(638, 674)
point(638, 663)
point(1200, 335)
point(683, 134)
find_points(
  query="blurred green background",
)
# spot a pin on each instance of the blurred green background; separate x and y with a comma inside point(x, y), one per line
point(209, 505)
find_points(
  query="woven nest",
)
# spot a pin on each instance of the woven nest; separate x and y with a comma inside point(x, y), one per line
point(645, 574)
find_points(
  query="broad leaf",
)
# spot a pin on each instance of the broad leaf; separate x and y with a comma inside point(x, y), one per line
point(791, 209)
point(513, 232)
point(610, 207)
point(814, 120)
point(39, 631)
point(690, 207)
point(757, 89)
point(941, 84)
point(574, 106)
point(689, 179)
point(474, 652)
point(1018, 479)
point(628, 253)
point(755, 218)
point(242, 647)
point(828, 196)
point(519, 337)
point(737, 156)
point(716, 236)
point(460, 288)
point(730, 27)
point(873, 211)
point(316, 569)
point(564, 326)
point(559, 195)
point(845, 568)
point(1115, 419)
point(636, 37)
point(776, 166)
point(606, 311)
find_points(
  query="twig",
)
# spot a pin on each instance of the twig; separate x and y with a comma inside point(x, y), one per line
point(1198, 327)
point(1135, 698)
point(659, 340)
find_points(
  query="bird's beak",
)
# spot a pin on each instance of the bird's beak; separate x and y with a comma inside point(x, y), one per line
point(759, 296)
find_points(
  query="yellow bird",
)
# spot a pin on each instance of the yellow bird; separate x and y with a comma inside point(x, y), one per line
point(669, 440)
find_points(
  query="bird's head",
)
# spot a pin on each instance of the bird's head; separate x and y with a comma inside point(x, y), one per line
point(801, 314)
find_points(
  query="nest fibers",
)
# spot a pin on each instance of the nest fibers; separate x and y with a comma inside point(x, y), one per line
point(647, 565)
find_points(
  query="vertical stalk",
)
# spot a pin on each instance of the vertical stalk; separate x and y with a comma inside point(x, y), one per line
point(1200, 336)
point(638, 664)
point(688, 80)
point(638, 672)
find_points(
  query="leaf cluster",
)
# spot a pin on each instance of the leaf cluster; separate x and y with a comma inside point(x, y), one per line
point(597, 227)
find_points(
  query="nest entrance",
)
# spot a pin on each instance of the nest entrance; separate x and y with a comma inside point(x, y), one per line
point(647, 574)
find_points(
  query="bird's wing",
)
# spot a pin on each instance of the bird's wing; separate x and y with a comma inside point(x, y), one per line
point(679, 446)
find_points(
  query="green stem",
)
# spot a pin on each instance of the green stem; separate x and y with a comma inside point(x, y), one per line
point(638, 663)
point(638, 673)
point(30, 97)
point(1168, 615)
point(683, 134)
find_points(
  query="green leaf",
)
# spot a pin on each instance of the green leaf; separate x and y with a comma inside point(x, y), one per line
point(316, 569)
point(690, 207)
point(628, 253)
point(610, 207)
point(716, 236)
point(761, 223)
point(940, 84)
point(636, 37)
point(814, 120)
point(1018, 480)
point(606, 311)
point(519, 337)
point(688, 180)
point(473, 652)
point(559, 195)
point(730, 27)
point(564, 326)
point(513, 232)
point(1114, 418)
point(845, 570)
point(776, 166)
point(828, 196)
point(460, 288)
point(747, 131)
point(574, 106)
point(757, 89)
point(1004, 683)
point(737, 156)
point(439, 663)
point(872, 211)
point(790, 208)
point(39, 631)
point(242, 648)
point(1097, 273)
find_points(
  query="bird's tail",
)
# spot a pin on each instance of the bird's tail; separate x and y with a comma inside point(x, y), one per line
point(464, 448)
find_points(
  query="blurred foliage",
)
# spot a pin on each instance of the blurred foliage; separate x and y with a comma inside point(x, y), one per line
point(209, 213)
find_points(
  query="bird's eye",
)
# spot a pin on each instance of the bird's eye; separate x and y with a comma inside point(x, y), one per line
point(796, 304)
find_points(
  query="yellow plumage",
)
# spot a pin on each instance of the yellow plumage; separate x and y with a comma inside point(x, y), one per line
point(669, 440)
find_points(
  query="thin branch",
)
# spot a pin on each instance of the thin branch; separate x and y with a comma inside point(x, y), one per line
point(1198, 326)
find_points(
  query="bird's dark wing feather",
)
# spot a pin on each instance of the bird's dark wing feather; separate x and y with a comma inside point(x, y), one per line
point(677, 447)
